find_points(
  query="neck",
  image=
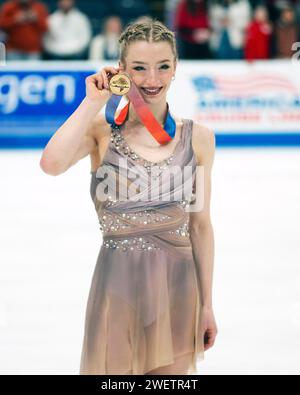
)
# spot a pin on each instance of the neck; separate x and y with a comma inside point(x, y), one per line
point(159, 111)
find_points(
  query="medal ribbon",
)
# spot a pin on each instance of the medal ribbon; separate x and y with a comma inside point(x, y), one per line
point(161, 134)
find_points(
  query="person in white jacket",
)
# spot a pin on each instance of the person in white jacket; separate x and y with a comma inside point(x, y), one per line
point(228, 20)
point(105, 46)
point(69, 33)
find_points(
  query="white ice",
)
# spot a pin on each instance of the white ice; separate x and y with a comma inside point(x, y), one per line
point(50, 239)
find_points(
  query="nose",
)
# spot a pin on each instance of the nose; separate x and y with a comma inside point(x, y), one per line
point(152, 78)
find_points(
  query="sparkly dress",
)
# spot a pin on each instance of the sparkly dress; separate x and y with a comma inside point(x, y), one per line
point(144, 308)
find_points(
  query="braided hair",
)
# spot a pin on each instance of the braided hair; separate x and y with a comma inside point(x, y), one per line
point(146, 29)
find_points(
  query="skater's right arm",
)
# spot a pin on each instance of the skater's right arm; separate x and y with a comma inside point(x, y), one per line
point(77, 137)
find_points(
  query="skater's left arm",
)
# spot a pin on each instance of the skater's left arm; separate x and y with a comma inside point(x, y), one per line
point(201, 230)
point(200, 226)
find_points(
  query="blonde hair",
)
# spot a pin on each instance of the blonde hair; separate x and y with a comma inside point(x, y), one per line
point(146, 29)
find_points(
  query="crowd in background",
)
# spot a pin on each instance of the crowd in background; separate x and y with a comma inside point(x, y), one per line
point(204, 29)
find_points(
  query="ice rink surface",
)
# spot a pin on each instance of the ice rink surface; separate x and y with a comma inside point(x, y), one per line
point(50, 239)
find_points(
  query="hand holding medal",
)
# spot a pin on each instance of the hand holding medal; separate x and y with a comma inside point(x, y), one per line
point(97, 85)
point(121, 84)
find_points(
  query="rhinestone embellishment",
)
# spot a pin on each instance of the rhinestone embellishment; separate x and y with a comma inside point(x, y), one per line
point(139, 243)
point(153, 168)
point(183, 230)
point(110, 223)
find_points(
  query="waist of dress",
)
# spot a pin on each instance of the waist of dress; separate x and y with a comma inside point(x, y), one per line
point(177, 238)
point(145, 222)
point(146, 228)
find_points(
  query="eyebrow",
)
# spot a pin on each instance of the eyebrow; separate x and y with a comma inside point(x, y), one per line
point(161, 61)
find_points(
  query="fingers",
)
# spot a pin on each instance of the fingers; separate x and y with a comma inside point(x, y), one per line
point(100, 80)
point(95, 80)
point(105, 79)
point(106, 72)
point(209, 339)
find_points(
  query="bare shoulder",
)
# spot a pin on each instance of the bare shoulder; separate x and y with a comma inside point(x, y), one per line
point(204, 143)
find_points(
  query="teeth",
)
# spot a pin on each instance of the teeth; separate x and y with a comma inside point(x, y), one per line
point(152, 90)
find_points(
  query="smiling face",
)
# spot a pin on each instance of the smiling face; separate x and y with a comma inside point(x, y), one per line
point(151, 66)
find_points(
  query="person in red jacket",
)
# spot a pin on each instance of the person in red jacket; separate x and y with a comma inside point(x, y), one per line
point(258, 35)
point(192, 28)
point(24, 22)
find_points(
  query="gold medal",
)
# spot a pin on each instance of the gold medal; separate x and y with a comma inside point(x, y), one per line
point(119, 84)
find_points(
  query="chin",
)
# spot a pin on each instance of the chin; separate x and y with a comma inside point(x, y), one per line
point(152, 99)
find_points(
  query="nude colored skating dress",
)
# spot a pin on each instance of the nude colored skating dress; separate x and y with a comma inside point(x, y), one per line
point(144, 308)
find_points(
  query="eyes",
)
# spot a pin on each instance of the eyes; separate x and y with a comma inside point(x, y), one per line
point(163, 67)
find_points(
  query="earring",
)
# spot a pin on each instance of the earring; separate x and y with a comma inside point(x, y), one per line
point(173, 78)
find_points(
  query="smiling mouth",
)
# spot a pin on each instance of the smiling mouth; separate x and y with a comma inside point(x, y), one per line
point(151, 91)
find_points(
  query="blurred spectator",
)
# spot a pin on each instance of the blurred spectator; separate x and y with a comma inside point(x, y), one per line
point(258, 35)
point(105, 46)
point(24, 22)
point(192, 28)
point(69, 33)
point(286, 33)
point(276, 6)
point(129, 10)
point(229, 19)
point(170, 12)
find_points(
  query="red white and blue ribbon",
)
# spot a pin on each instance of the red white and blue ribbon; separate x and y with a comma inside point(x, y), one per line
point(161, 134)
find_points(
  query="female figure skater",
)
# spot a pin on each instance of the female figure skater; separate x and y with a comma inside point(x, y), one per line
point(149, 309)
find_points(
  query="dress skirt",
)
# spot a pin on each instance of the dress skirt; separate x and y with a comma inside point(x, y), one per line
point(141, 313)
point(144, 305)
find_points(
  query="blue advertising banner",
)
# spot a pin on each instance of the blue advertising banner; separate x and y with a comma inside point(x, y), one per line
point(246, 104)
point(35, 103)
